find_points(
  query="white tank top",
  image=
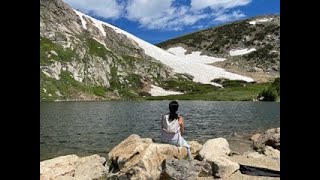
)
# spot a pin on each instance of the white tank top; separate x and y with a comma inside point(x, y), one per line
point(170, 130)
point(172, 127)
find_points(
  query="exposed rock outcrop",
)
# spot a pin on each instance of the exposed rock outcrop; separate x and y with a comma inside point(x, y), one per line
point(79, 52)
point(73, 167)
point(140, 158)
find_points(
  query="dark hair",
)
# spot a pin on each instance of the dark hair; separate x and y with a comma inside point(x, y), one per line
point(173, 107)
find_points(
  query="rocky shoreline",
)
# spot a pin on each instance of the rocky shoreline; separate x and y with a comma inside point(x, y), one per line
point(141, 158)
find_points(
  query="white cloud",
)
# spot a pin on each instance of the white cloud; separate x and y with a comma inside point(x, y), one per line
point(163, 14)
point(235, 15)
point(101, 8)
point(160, 14)
point(217, 4)
point(139, 9)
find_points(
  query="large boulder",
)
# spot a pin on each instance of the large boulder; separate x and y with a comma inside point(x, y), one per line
point(60, 166)
point(73, 167)
point(140, 158)
point(215, 152)
point(183, 169)
point(215, 147)
point(269, 138)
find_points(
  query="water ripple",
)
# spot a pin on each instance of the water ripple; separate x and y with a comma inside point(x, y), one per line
point(82, 127)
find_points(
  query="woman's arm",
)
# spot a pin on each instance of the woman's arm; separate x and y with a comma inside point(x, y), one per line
point(181, 123)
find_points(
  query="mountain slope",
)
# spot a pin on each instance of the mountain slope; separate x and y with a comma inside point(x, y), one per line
point(251, 47)
point(82, 58)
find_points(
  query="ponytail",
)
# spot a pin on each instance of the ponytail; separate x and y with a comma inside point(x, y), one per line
point(173, 107)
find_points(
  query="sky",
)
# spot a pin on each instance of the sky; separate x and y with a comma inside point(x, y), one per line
point(158, 20)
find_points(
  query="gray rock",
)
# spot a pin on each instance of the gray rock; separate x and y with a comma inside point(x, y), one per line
point(269, 138)
point(76, 47)
point(53, 52)
point(183, 169)
point(53, 70)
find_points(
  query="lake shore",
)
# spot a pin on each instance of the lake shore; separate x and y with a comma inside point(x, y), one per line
point(125, 159)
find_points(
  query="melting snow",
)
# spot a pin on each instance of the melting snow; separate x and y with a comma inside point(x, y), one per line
point(237, 52)
point(84, 23)
point(260, 20)
point(202, 73)
point(194, 56)
point(158, 91)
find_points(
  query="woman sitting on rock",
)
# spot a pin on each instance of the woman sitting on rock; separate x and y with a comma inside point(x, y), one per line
point(172, 127)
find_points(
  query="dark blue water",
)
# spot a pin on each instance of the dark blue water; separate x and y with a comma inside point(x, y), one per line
point(85, 128)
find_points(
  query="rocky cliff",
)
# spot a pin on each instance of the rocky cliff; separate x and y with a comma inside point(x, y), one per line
point(83, 59)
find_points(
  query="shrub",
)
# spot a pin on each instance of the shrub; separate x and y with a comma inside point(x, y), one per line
point(276, 85)
point(99, 91)
point(269, 94)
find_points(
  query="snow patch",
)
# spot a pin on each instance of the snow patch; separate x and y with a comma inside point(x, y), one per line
point(202, 73)
point(253, 22)
point(238, 52)
point(96, 22)
point(158, 91)
point(44, 90)
point(264, 20)
point(84, 23)
point(194, 56)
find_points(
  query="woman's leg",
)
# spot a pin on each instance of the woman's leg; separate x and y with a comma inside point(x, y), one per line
point(186, 145)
